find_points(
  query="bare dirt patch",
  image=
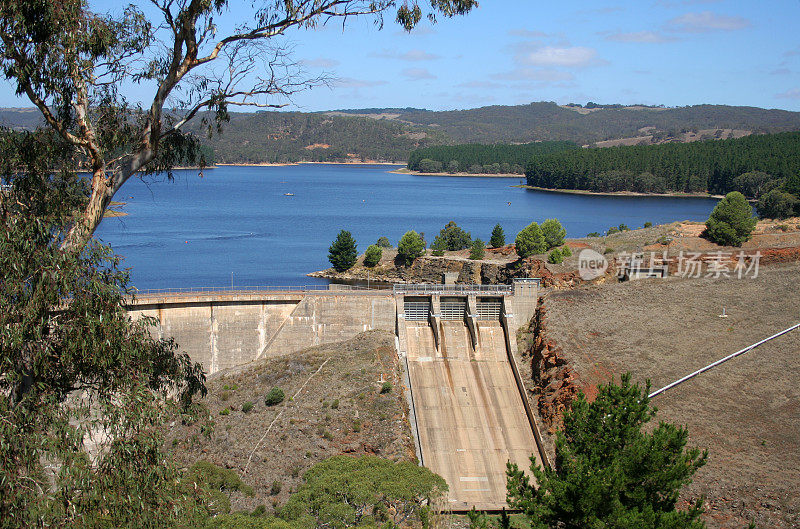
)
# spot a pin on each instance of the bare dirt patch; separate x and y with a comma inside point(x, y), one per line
point(744, 411)
point(340, 410)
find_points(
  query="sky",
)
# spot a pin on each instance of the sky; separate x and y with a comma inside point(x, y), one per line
point(509, 52)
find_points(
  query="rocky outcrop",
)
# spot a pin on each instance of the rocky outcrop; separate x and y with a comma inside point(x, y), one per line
point(555, 382)
point(430, 269)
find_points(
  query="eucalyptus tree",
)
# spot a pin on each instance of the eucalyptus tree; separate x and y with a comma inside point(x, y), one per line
point(74, 65)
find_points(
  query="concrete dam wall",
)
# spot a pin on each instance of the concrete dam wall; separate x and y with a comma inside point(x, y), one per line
point(223, 330)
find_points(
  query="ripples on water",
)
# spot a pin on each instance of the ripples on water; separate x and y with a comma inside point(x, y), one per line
point(237, 221)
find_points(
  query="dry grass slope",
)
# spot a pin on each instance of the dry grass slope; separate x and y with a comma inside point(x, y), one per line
point(744, 411)
point(340, 410)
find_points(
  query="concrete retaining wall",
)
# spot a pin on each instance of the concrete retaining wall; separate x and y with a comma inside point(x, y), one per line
point(225, 330)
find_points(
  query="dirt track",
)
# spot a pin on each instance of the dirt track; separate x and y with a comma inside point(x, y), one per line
point(746, 412)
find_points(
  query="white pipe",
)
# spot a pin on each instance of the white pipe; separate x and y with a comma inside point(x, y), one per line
point(718, 362)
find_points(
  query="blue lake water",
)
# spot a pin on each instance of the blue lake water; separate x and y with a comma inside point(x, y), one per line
point(236, 222)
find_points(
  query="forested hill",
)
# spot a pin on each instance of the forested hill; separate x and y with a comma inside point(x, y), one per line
point(548, 121)
point(686, 167)
point(390, 134)
point(476, 158)
point(280, 137)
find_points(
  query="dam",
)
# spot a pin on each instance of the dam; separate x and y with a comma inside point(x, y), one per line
point(456, 344)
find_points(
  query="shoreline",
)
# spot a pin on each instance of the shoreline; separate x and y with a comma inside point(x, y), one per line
point(268, 164)
point(619, 193)
point(405, 170)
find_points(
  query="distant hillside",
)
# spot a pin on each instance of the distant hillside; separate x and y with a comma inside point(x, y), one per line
point(476, 158)
point(549, 121)
point(390, 134)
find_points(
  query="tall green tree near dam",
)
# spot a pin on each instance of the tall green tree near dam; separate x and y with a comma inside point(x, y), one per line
point(609, 470)
point(73, 64)
point(83, 387)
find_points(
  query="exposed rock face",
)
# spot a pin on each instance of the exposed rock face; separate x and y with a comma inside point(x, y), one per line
point(555, 382)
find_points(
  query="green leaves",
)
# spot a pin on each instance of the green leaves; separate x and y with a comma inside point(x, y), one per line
point(608, 471)
point(732, 222)
point(410, 247)
point(530, 240)
point(345, 491)
point(342, 253)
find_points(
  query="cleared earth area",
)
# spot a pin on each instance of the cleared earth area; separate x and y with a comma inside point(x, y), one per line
point(746, 412)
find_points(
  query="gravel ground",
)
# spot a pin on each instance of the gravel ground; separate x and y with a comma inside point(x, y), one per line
point(746, 411)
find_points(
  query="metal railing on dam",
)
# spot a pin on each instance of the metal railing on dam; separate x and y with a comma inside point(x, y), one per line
point(451, 289)
point(316, 289)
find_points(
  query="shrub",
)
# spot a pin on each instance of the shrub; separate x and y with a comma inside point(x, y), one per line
point(566, 251)
point(530, 240)
point(373, 255)
point(386, 387)
point(247, 407)
point(594, 234)
point(356, 425)
point(553, 233)
point(438, 247)
point(275, 396)
point(454, 237)
point(276, 488)
point(498, 238)
point(612, 230)
point(555, 256)
point(410, 247)
point(335, 404)
point(614, 469)
point(383, 242)
point(777, 204)
point(225, 411)
point(478, 250)
point(731, 223)
point(648, 224)
point(623, 227)
point(342, 253)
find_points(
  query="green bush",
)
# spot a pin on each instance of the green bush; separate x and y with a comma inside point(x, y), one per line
point(247, 407)
point(594, 234)
point(555, 256)
point(275, 396)
point(778, 204)
point(731, 223)
point(454, 237)
point(478, 250)
point(623, 227)
point(373, 255)
point(410, 247)
point(218, 482)
point(553, 232)
point(338, 490)
point(383, 242)
point(648, 224)
point(335, 404)
point(615, 470)
point(386, 387)
point(356, 425)
point(530, 240)
point(566, 251)
point(612, 230)
point(225, 411)
point(498, 238)
point(342, 253)
point(276, 488)
point(438, 247)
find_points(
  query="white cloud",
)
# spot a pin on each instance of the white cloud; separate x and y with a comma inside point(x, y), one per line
point(569, 57)
point(417, 74)
point(546, 75)
point(481, 84)
point(320, 62)
point(705, 22)
point(793, 93)
point(640, 37)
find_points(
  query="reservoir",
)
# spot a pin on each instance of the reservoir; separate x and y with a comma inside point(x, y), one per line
point(250, 226)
